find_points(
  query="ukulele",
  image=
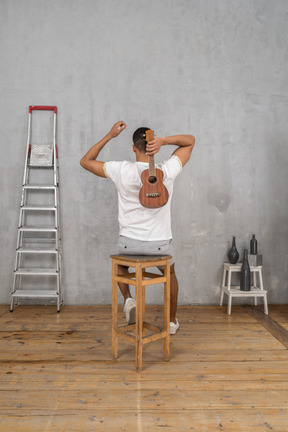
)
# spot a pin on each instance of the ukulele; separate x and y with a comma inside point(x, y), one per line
point(153, 193)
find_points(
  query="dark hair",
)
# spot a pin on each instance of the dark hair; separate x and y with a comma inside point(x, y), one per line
point(139, 139)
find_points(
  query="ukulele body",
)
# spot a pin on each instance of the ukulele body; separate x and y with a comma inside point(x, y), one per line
point(153, 193)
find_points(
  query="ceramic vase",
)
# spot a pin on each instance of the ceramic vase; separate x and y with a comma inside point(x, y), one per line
point(233, 254)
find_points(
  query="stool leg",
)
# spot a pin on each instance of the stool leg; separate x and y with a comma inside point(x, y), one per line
point(229, 304)
point(260, 279)
point(254, 279)
point(143, 310)
point(114, 310)
point(229, 294)
point(139, 318)
point(222, 287)
point(254, 286)
point(265, 304)
point(167, 311)
point(265, 295)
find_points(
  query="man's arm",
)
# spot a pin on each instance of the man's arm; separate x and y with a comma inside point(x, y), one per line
point(185, 145)
point(89, 161)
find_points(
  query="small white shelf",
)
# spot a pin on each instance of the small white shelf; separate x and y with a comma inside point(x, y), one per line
point(234, 291)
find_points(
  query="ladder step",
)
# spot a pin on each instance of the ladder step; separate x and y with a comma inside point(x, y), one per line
point(39, 186)
point(40, 166)
point(30, 241)
point(35, 293)
point(38, 272)
point(34, 229)
point(37, 250)
point(42, 208)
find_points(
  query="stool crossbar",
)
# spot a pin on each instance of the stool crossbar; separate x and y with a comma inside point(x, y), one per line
point(140, 278)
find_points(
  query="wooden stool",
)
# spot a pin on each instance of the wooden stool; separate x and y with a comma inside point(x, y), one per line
point(140, 279)
point(235, 291)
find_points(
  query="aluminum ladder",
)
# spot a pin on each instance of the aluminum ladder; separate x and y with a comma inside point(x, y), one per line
point(37, 271)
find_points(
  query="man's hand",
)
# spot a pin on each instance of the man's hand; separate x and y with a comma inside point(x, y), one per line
point(117, 129)
point(89, 160)
point(185, 145)
point(153, 147)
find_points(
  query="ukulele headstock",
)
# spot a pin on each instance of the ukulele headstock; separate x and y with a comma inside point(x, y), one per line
point(149, 135)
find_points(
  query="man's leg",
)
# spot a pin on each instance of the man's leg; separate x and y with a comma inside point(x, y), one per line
point(124, 288)
point(174, 287)
point(129, 303)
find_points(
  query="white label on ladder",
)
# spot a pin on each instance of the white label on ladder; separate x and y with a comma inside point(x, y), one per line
point(41, 155)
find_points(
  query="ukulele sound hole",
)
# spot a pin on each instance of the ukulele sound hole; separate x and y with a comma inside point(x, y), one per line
point(152, 179)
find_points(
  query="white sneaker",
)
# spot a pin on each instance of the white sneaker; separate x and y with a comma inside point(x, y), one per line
point(130, 310)
point(174, 327)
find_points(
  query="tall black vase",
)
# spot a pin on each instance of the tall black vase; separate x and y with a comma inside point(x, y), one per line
point(245, 276)
point(233, 254)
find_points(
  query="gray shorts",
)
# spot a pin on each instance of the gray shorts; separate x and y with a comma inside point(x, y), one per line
point(129, 246)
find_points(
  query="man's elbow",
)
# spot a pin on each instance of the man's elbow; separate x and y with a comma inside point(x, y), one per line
point(191, 144)
point(192, 141)
point(83, 163)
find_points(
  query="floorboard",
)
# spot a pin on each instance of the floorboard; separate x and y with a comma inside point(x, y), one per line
point(276, 329)
point(226, 373)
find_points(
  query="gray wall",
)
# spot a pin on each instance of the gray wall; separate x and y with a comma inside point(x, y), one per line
point(213, 68)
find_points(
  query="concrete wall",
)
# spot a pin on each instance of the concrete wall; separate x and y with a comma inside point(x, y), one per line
point(213, 68)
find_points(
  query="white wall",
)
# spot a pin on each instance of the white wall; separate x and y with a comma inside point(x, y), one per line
point(213, 68)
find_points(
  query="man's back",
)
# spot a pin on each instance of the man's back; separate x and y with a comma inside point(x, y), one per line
point(136, 221)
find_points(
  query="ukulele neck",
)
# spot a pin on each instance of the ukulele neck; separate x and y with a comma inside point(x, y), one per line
point(152, 169)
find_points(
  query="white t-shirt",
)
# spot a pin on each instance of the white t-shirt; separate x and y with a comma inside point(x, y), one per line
point(136, 221)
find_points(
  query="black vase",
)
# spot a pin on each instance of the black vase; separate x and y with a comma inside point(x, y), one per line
point(233, 254)
point(245, 277)
point(253, 245)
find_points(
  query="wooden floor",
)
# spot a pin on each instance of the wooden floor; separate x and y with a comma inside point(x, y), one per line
point(226, 373)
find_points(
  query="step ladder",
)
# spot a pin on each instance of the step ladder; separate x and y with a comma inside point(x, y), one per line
point(37, 272)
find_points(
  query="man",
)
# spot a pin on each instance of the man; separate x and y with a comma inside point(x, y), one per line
point(143, 231)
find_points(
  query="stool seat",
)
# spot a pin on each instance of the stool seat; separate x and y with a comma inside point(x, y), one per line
point(140, 279)
point(141, 258)
point(234, 291)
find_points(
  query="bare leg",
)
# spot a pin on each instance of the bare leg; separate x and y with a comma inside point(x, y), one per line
point(173, 293)
point(124, 288)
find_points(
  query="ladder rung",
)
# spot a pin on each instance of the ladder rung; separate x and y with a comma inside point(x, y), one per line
point(42, 208)
point(37, 250)
point(39, 186)
point(41, 166)
point(31, 271)
point(35, 293)
point(34, 229)
point(50, 241)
